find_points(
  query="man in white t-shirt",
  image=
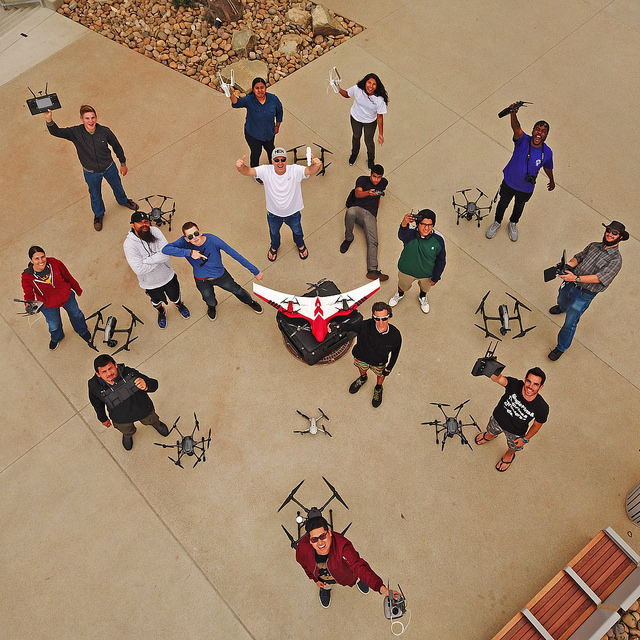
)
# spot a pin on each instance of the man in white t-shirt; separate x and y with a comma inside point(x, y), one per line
point(283, 192)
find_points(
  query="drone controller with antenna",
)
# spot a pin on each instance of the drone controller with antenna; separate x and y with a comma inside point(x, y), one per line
point(42, 103)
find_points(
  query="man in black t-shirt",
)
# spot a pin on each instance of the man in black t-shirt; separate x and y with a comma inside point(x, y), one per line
point(520, 404)
point(362, 209)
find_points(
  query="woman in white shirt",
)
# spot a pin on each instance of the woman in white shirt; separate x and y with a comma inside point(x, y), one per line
point(369, 105)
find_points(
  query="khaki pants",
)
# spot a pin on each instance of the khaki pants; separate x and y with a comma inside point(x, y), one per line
point(405, 281)
point(128, 428)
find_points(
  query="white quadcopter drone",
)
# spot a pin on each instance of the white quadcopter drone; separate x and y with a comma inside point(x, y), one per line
point(334, 79)
point(226, 87)
point(314, 426)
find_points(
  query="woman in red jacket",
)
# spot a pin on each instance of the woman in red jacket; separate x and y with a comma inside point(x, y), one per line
point(48, 280)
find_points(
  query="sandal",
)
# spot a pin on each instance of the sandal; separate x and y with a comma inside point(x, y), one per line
point(303, 253)
point(482, 439)
point(272, 255)
point(504, 462)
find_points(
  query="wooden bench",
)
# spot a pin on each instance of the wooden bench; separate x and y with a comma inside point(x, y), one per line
point(585, 599)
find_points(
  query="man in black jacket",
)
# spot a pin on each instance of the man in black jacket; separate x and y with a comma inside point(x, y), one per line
point(124, 392)
point(92, 142)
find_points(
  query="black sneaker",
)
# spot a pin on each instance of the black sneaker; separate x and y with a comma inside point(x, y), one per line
point(53, 345)
point(344, 247)
point(130, 204)
point(86, 336)
point(162, 429)
point(362, 587)
point(162, 317)
point(555, 354)
point(127, 442)
point(371, 164)
point(325, 598)
point(377, 396)
point(352, 160)
point(256, 307)
point(555, 310)
point(377, 275)
point(356, 384)
point(211, 312)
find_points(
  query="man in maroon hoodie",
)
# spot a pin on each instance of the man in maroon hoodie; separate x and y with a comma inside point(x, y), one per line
point(328, 558)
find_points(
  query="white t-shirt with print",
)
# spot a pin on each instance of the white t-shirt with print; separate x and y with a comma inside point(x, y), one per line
point(365, 108)
point(283, 193)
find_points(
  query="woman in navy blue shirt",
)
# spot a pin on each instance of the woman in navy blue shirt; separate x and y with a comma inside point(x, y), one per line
point(264, 116)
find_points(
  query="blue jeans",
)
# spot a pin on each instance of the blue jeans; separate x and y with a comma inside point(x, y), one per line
point(226, 282)
point(94, 182)
point(52, 315)
point(574, 302)
point(292, 221)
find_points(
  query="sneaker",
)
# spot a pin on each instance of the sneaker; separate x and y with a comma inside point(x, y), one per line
point(377, 396)
point(356, 384)
point(162, 429)
point(162, 317)
point(555, 310)
point(86, 336)
point(256, 307)
point(513, 232)
point(371, 164)
point(211, 313)
point(325, 598)
point(258, 180)
point(127, 442)
point(493, 229)
point(424, 304)
point(97, 223)
point(362, 587)
point(344, 247)
point(396, 298)
point(182, 308)
point(375, 274)
point(53, 345)
point(555, 354)
point(352, 160)
point(130, 204)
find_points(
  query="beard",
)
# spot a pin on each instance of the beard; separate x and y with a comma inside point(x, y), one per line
point(147, 236)
point(609, 243)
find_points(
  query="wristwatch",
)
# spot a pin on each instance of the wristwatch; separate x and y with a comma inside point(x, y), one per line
point(577, 278)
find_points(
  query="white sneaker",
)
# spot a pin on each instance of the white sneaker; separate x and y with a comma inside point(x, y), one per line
point(513, 232)
point(396, 298)
point(424, 304)
point(493, 229)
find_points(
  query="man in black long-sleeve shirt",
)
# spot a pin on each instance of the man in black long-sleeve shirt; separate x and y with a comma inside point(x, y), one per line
point(92, 142)
point(124, 392)
point(377, 348)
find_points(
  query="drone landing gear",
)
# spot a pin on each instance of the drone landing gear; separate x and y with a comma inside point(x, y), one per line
point(323, 150)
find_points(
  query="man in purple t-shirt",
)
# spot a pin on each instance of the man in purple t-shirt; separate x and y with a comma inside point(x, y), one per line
point(530, 154)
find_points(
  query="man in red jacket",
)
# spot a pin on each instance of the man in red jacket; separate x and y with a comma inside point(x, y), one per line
point(328, 558)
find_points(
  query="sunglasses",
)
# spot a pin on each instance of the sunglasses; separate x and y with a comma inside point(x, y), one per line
point(611, 231)
point(279, 159)
point(193, 235)
point(322, 536)
point(380, 318)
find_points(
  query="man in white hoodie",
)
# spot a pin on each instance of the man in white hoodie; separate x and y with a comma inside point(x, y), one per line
point(143, 250)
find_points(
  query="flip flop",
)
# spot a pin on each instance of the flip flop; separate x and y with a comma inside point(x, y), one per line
point(480, 439)
point(272, 255)
point(503, 461)
point(303, 253)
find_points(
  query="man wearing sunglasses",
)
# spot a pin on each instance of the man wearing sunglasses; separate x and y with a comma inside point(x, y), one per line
point(328, 558)
point(591, 272)
point(202, 250)
point(423, 257)
point(377, 347)
point(283, 192)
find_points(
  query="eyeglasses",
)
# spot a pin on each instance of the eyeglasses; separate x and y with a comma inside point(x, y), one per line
point(425, 224)
point(193, 235)
point(612, 232)
point(322, 536)
point(279, 159)
point(380, 318)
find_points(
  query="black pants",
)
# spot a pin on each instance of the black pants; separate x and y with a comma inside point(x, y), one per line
point(159, 296)
point(369, 131)
point(506, 195)
point(256, 147)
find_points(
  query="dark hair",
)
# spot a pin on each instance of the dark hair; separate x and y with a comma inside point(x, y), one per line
point(377, 169)
point(426, 213)
point(381, 306)
point(102, 361)
point(35, 249)
point(188, 225)
point(378, 91)
point(256, 81)
point(86, 108)
point(542, 123)
point(537, 371)
point(316, 523)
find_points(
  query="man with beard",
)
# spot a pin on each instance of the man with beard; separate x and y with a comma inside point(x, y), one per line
point(592, 271)
point(143, 250)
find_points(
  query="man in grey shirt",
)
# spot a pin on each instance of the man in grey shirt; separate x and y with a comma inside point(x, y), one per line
point(592, 271)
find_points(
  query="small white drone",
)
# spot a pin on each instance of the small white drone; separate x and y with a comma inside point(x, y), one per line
point(226, 87)
point(314, 427)
point(334, 79)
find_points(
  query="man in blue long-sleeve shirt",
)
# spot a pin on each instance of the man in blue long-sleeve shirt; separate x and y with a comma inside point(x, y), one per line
point(202, 250)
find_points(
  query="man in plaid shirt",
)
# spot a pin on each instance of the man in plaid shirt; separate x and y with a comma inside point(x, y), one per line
point(592, 271)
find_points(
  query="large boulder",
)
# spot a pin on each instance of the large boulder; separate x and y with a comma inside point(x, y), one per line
point(299, 16)
point(243, 41)
point(244, 72)
point(325, 24)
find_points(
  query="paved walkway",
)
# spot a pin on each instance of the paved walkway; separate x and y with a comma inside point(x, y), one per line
point(100, 543)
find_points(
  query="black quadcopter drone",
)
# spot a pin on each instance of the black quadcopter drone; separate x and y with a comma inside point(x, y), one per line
point(31, 307)
point(469, 209)
point(307, 156)
point(109, 328)
point(157, 214)
point(188, 446)
point(451, 425)
point(503, 317)
point(313, 512)
point(314, 427)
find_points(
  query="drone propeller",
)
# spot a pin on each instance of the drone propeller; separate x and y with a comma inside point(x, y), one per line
point(133, 316)
point(346, 528)
point(335, 493)
point(440, 404)
point(325, 430)
point(164, 446)
point(303, 415)
point(473, 423)
point(290, 496)
point(294, 543)
point(176, 462)
point(323, 414)
point(518, 303)
point(481, 305)
point(457, 409)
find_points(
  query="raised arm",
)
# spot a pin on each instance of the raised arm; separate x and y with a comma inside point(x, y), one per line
point(515, 123)
point(244, 169)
